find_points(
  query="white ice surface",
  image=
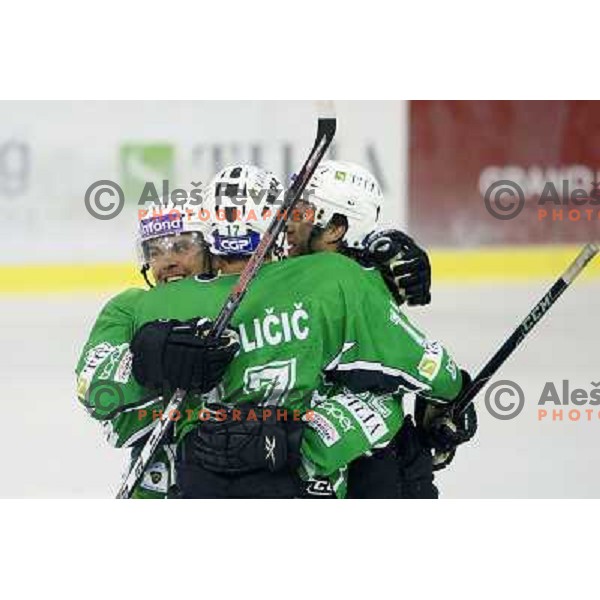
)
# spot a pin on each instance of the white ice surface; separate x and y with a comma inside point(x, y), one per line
point(50, 447)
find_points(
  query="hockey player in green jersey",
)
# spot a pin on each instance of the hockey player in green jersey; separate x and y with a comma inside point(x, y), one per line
point(168, 250)
point(125, 423)
point(314, 319)
point(345, 203)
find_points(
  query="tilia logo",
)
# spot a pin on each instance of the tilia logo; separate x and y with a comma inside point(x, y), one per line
point(275, 328)
point(370, 421)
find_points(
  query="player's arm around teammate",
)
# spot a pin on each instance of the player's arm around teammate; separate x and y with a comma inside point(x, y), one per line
point(168, 249)
point(341, 215)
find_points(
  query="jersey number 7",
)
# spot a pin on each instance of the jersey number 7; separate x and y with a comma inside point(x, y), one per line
point(274, 379)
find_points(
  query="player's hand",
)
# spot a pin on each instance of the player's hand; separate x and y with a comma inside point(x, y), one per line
point(443, 429)
point(182, 354)
point(446, 430)
point(462, 430)
point(404, 265)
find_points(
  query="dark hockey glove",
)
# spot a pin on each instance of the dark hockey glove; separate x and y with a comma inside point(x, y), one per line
point(449, 435)
point(415, 466)
point(244, 439)
point(443, 429)
point(404, 265)
point(182, 354)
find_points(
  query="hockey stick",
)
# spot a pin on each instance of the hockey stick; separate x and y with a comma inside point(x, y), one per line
point(325, 132)
point(527, 325)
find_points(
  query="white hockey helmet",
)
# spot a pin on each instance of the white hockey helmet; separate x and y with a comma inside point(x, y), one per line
point(242, 200)
point(345, 188)
point(169, 221)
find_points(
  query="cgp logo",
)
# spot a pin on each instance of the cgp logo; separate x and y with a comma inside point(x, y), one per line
point(504, 199)
point(504, 399)
point(236, 243)
point(233, 244)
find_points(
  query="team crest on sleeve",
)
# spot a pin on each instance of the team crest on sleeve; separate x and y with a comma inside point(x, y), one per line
point(431, 360)
point(156, 478)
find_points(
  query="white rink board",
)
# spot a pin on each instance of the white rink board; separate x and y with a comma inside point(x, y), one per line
point(51, 448)
point(51, 152)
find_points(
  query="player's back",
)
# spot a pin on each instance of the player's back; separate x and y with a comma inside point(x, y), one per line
point(291, 324)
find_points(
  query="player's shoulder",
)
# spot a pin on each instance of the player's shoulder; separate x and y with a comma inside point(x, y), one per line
point(193, 283)
point(331, 264)
point(125, 301)
point(194, 288)
point(128, 296)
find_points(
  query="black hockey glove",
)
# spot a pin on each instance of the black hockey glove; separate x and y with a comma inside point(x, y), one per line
point(181, 354)
point(243, 439)
point(404, 265)
point(448, 435)
point(414, 463)
point(442, 429)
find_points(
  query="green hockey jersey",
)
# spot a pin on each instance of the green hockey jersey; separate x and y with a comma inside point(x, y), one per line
point(305, 324)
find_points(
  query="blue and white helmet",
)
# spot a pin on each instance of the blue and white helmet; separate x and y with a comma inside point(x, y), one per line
point(345, 188)
point(241, 200)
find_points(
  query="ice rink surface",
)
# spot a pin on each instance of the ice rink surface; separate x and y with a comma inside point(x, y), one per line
point(52, 449)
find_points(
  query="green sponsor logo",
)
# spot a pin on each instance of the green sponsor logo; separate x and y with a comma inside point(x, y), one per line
point(142, 163)
point(340, 175)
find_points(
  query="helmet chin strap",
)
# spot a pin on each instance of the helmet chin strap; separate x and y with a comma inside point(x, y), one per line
point(144, 271)
point(316, 230)
point(312, 236)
